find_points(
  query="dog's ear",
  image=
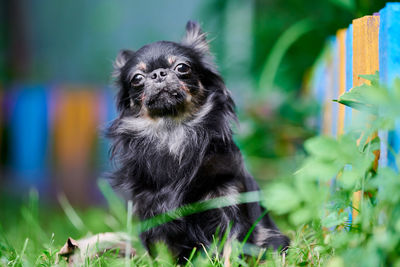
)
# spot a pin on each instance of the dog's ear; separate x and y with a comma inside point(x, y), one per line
point(122, 57)
point(195, 37)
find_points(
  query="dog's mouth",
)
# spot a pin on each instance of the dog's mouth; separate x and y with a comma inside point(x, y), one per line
point(165, 102)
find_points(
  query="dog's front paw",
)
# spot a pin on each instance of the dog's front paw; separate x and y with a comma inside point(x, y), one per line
point(272, 239)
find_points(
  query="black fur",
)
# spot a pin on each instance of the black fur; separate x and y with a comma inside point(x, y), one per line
point(172, 144)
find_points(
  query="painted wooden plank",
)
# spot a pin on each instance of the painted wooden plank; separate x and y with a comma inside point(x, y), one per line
point(349, 72)
point(335, 86)
point(383, 34)
point(389, 63)
point(341, 46)
point(320, 86)
point(75, 125)
point(389, 43)
point(365, 61)
point(365, 47)
point(75, 136)
point(328, 90)
point(29, 134)
point(349, 85)
point(339, 89)
point(318, 89)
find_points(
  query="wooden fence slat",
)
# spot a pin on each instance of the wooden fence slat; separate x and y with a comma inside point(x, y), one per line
point(335, 86)
point(365, 47)
point(365, 61)
point(349, 85)
point(341, 45)
point(75, 133)
point(389, 63)
point(389, 43)
point(328, 91)
point(318, 87)
point(349, 71)
point(29, 134)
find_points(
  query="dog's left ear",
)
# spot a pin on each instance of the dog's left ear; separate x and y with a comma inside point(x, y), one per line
point(195, 37)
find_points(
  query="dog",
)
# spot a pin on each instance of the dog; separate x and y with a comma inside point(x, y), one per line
point(172, 145)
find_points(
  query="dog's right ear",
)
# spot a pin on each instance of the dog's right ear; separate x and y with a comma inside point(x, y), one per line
point(120, 61)
point(195, 37)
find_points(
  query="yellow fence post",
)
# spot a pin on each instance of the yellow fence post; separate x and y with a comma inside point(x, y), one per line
point(365, 61)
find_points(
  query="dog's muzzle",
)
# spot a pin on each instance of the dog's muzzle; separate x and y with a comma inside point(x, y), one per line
point(162, 100)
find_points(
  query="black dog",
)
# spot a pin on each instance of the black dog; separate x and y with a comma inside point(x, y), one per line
point(173, 145)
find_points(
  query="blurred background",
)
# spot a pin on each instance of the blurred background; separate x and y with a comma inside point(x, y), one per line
point(56, 91)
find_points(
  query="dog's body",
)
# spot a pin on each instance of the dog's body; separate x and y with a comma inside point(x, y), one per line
point(173, 146)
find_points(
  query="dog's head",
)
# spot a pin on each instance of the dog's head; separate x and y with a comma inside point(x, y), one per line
point(167, 79)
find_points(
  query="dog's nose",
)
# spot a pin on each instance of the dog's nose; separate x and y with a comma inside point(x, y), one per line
point(159, 75)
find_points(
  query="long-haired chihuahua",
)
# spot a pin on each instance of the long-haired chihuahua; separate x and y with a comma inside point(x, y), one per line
point(172, 144)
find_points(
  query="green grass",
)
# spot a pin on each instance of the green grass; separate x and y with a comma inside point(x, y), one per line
point(31, 234)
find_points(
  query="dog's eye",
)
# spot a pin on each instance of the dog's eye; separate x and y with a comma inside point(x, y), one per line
point(182, 68)
point(138, 79)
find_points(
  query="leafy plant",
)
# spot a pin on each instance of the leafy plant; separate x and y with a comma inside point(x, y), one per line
point(319, 197)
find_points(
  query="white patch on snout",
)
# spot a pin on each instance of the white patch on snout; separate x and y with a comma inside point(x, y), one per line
point(167, 133)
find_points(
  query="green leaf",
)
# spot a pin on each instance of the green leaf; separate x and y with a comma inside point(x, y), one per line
point(357, 98)
point(301, 216)
point(334, 219)
point(373, 78)
point(349, 179)
point(388, 182)
point(318, 169)
point(282, 198)
point(310, 191)
point(323, 147)
point(356, 105)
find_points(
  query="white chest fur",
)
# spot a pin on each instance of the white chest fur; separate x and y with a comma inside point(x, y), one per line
point(168, 134)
